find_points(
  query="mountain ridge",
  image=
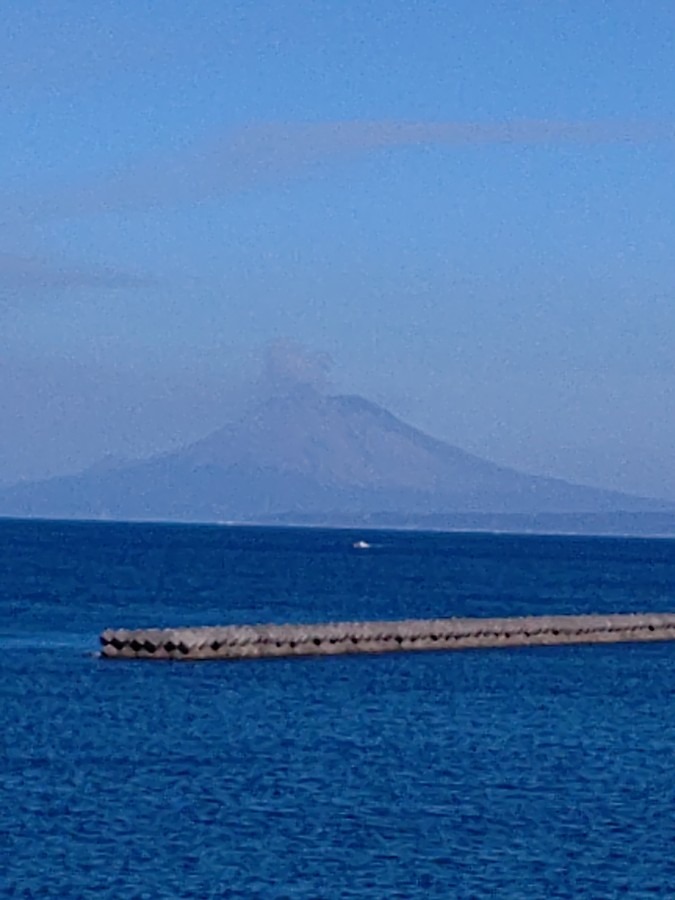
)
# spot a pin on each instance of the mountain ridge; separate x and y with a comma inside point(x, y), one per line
point(307, 456)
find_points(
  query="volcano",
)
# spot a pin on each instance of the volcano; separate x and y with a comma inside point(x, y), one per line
point(308, 458)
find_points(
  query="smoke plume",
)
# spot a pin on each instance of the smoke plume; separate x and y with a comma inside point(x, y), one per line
point(287, 366)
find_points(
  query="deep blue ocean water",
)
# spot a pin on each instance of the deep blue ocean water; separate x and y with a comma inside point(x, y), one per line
point(521, 773)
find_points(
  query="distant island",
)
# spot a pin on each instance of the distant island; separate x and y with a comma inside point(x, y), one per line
point(308, 459)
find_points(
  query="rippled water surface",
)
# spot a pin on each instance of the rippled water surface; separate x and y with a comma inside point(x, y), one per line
point(522, 773)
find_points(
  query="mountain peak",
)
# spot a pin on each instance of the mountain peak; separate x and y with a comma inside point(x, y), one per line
point(307, 456)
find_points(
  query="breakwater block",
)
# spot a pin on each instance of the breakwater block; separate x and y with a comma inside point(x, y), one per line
point(255, 641)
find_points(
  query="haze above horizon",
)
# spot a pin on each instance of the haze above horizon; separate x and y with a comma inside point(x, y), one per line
point(467, 207)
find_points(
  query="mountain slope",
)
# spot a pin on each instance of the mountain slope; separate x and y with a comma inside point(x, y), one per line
point(312, 458)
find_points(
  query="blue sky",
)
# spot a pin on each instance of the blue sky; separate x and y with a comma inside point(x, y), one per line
point(469, 206)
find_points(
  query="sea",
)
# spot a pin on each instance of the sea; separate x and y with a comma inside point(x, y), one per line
point(511, 773)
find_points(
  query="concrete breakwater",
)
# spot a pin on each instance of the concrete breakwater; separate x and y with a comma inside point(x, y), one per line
point(255, 641)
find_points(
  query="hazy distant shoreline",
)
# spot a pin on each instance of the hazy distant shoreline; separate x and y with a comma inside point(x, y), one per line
point(374, 528)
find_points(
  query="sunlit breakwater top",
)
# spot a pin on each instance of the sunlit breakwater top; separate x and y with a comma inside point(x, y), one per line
point(236, 642)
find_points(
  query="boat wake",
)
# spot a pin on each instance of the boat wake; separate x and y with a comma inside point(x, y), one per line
point(48, 640)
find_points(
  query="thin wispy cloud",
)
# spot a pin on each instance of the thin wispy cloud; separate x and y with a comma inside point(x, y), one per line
point(256, 155)
point(288, 140)
point(33, 274)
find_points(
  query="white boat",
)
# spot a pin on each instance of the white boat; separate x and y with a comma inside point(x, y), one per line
point(360, 545)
